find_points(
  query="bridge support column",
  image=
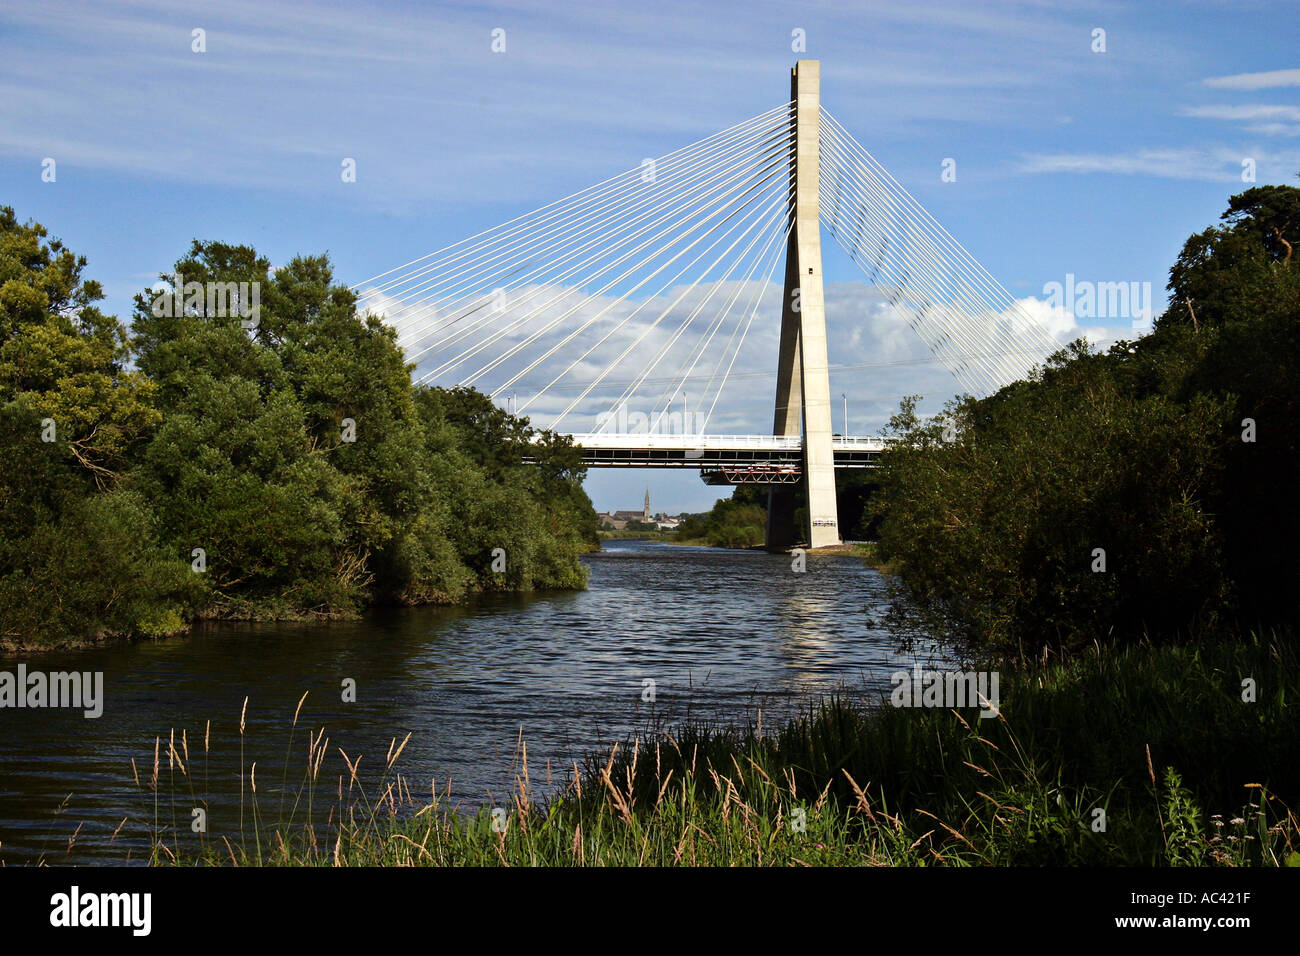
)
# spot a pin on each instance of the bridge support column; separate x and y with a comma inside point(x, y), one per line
point(803, 392)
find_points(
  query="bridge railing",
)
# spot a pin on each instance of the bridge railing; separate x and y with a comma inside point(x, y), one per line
point(709, 442)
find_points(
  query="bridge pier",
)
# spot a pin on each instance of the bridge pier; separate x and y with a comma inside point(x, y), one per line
point(782, 531)
point(803, 399)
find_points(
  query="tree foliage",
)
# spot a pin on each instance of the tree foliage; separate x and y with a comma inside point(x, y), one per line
point(266, 456)
point(1149, 490)
point(736, 522)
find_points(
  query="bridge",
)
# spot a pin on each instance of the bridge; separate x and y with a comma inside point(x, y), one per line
point(670, 265)
point(723, 459)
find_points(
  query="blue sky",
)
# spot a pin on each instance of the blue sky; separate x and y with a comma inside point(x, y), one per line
point(1068, 161)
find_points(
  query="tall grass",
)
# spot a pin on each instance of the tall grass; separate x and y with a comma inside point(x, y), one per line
point(1135, 757)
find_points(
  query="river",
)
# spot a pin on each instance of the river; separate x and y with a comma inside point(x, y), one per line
point(722, 634)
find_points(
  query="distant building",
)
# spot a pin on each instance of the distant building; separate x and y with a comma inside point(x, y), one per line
point(620, 519)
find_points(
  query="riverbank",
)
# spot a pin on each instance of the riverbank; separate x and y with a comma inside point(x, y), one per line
point(1137, 756)
point(869, 553)
point(250, 613)
point(635, 535)
point(860, 549)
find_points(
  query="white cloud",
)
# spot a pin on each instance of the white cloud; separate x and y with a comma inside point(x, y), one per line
point(1063, 326)
point(414, 94)
point(1255, 81)
point(875, 355)
point(1274, 129)
point(1254, 111)
point(1220, 164)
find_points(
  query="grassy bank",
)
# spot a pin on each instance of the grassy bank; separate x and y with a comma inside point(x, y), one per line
point(1159, 740)
point(635, 535)
point(870, 555)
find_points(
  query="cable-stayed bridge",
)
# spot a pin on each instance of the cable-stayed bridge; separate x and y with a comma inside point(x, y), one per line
point(667, 268)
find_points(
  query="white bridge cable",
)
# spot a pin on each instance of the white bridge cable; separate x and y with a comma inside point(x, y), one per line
point(935, 253)
point(992, 292)
point(987, 281)
point(411, 336)
point(776, 258)
point(557, 204)
point(937, 290)
point(780, 212)
point(688, 217)
point(943, 272)
point(692, 221)
point(471, 274)
point(948, 340)
point(552, 268)
point(467, 277)
point(701, 192)
point(714, 286)
point(773, 172)
point(686, 214)
point(900, 249)
point(678, 383)
point(775, 245)
point(923, 254)
point(410, 317)
point(909, 249)
point(696, 224)
point(698, 198)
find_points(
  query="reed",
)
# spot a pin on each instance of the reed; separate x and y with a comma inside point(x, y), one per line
point(1142, 756)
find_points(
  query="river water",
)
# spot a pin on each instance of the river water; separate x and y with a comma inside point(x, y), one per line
point(724, 635)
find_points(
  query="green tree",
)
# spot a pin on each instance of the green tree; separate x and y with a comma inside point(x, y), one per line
point(269, 434)
point(64, 358)
point(1146, 455)
point(1244, 268)
point(80, 557)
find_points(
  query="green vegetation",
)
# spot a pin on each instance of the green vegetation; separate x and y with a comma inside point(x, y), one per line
point(209, 464)
point(642, 526)
point(650, 534)
point(736, 522)
point(1148, 491)
point(1157, 738)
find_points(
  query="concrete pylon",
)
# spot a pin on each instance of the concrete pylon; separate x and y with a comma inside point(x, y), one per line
point(803, 389)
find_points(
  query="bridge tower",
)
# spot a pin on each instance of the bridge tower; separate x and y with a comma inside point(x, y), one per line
point(803, 390)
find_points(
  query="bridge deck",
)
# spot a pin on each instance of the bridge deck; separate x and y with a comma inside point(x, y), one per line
point(744, 452)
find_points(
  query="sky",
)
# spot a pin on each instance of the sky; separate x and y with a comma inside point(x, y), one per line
point(1082, 142)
